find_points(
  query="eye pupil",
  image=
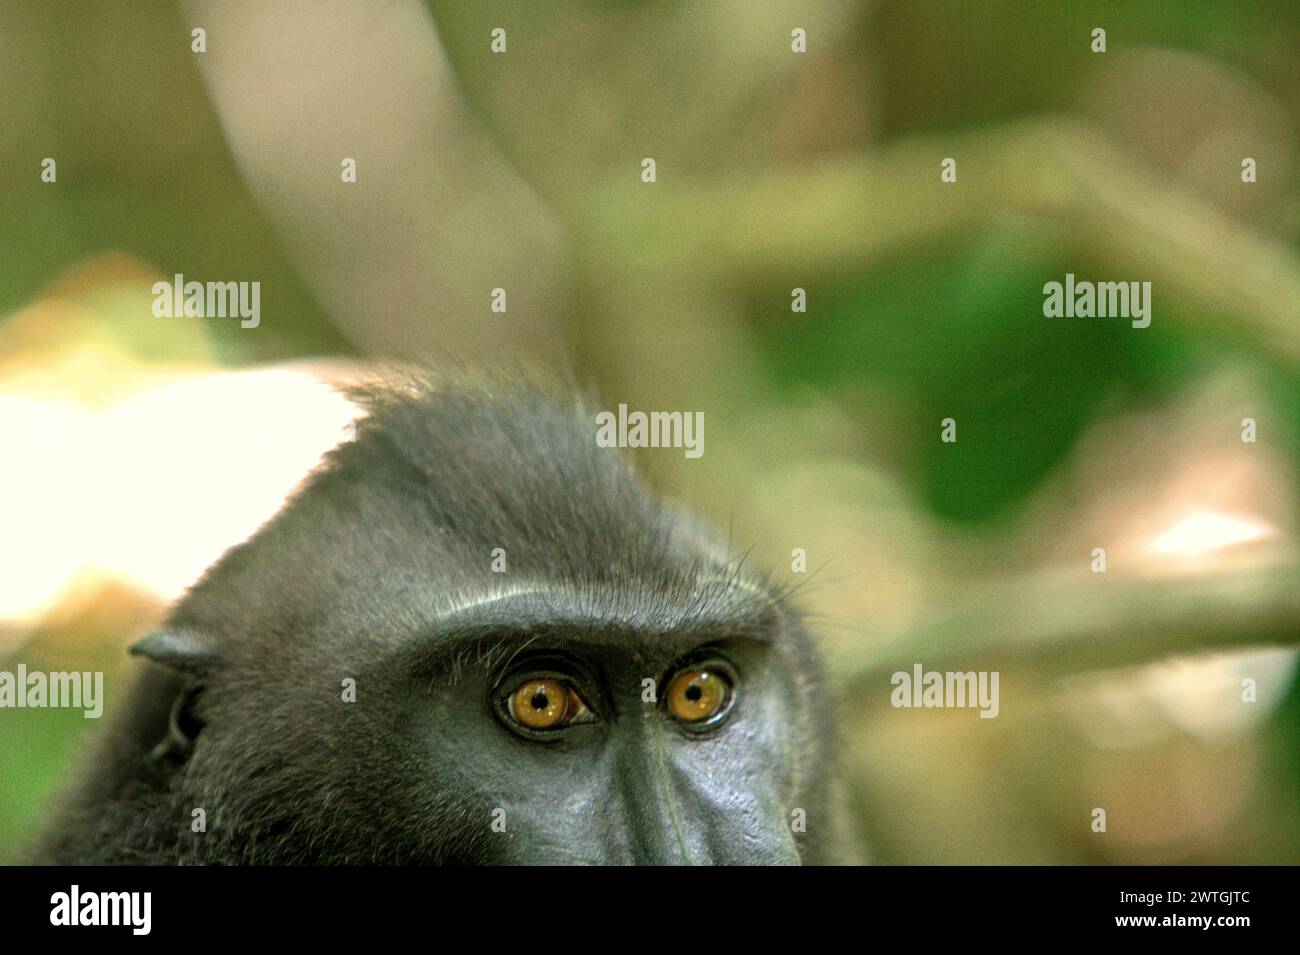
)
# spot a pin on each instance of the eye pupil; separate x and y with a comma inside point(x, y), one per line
point(693, 692)
point(541, 701)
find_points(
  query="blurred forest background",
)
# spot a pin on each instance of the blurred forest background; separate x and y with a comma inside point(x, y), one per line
point(134, 449)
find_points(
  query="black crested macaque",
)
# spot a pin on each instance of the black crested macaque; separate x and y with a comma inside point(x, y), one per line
point(470, 637)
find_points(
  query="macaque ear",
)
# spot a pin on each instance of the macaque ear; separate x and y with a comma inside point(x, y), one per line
point(181, 650)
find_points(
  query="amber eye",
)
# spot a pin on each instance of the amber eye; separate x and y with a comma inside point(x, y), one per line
point(544, 703)
point(695, 696)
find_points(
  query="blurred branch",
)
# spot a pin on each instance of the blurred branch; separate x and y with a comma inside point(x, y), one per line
point(851, 212)
point(1058, 622)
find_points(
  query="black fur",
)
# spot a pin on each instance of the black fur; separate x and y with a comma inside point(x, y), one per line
point(365, 574)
